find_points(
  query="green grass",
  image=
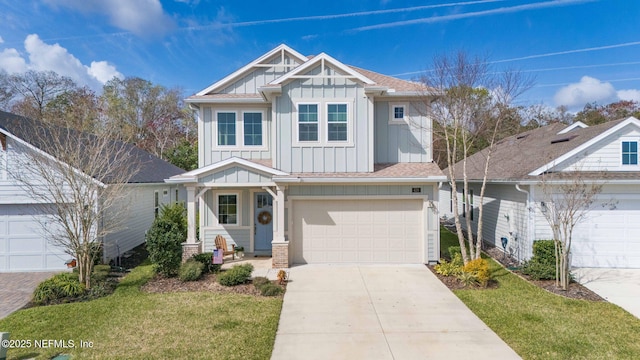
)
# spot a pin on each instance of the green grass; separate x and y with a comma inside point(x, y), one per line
point(541, 325)
point(131, 324)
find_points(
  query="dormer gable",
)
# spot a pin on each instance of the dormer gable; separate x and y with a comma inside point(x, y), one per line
point(575, 125)
point(260, 71)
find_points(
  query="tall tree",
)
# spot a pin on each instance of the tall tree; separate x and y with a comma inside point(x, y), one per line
point(593, 114)
point(80, 179)
point(76, 108)
point(30, 92)
point(148, 115)
point(469, 103)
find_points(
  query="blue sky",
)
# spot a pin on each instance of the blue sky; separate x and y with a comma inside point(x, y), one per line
point(578, 50)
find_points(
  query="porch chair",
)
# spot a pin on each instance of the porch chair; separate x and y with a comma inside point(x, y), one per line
point(221, 244)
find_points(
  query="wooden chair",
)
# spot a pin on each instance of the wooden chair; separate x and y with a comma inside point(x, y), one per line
point(221, 244)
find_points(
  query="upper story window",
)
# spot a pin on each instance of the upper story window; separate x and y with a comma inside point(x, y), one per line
point(252, 128)
point(337, 122)
point(398, 113)
point(226, 128)
point(308, 122)
point(629, 153)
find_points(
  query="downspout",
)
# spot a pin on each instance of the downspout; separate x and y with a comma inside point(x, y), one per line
point(529, 218)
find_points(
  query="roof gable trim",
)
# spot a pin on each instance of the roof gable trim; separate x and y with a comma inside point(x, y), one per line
point(322, 59)
point(192, 176)
point(577, 124)
point(577, 150)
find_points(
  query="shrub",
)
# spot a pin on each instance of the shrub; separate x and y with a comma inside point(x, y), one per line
point(479, 269)
point(237, 275)
point(205, 259)
point(58, 287)
point(190, 270)
point(259, 281)
point(270, 289)
point(468, 279)
point(542, 265)
point(449, 268)
point(165, 238)
point(453, 250)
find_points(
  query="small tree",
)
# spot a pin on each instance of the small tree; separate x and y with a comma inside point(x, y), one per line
point(567, 202)
point(469, 104)
point(165, 238)
point(80, 179)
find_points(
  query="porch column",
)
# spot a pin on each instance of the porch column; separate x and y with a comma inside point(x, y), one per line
point(191, 246)
point(279, 246)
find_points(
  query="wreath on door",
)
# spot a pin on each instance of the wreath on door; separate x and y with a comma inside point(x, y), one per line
point(264, 217)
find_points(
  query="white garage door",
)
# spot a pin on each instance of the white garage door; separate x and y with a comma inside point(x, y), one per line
point(609, 238)
point(22, 246)
point(358, 231)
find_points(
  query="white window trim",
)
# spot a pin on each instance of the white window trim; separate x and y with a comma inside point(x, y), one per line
point(264, 129)
point(350, 121)
point(215, 130)
point(238, 208)
point(392, 119)
point(295, 114)
point(629, 166)
point(323, 124)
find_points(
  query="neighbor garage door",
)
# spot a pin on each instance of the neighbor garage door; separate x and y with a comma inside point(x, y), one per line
point(22, 245)
point(358, 231)
point(609, 238)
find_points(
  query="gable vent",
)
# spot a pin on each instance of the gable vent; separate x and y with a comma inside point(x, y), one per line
point(563, 139)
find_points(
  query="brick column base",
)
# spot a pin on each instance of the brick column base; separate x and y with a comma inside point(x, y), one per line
point(280, 255)
point(189, 249)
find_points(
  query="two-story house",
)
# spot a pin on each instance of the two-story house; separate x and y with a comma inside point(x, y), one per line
point(314, 161)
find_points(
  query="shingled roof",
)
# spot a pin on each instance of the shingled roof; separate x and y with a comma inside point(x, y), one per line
point(150, 168)
point(513, 158)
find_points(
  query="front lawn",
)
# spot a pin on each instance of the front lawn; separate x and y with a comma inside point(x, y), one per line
point(541, 325)
point(131, 324)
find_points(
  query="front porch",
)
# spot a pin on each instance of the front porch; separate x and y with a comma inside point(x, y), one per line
point(238, 200)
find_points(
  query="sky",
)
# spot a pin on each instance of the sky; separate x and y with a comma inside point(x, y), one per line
point(577, 51)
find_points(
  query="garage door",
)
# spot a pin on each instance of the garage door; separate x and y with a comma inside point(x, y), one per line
point(22, 246)
point(609, 238)
point(358, 231)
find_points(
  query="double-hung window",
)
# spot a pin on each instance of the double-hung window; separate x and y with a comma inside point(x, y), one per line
point(226, 128)
point(308, 122)
point(228, 209)
point(629, 153)
point(337, 122)
point(252, 128)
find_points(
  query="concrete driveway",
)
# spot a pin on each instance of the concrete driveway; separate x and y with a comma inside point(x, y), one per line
point(16, 289)
point(378, 312)
point(618, 286)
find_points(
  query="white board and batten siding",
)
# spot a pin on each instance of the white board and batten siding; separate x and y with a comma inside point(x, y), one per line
point(402, 141)
point(323, 156)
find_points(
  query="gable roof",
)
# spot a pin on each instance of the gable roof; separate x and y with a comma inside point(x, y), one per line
point(192, 176)
point(371, 80)
point(529, 154)
point(151, 169)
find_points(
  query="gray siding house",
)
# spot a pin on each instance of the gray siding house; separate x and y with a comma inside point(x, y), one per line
point(607, 154)
point(314, 161)
point(25, 247)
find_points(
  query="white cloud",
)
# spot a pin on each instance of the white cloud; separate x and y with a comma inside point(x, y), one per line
point(141, 17)
point(12, 62)
point(1, 40)
point(631, 95)
point(45, 57)
point(588, 90)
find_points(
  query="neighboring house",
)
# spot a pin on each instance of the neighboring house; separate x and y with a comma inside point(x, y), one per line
point(314, 161)
point(602, 154)
point(23, 247)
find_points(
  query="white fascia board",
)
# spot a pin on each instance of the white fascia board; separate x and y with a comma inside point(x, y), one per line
point(359, 180)
point(317, 60)
point(249, 66)
point(192, 176)
point(252, 100)
point(576, 124)
point(549, 165)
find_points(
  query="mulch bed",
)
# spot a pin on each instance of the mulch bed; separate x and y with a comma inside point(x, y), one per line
point(208, 283)
point(575, 291)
